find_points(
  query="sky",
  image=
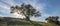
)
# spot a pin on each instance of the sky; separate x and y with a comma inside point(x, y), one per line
point(46, 7)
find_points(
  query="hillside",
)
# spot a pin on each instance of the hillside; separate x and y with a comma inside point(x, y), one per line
point(9, 21)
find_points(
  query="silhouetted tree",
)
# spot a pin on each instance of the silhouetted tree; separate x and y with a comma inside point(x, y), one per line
point(53, 19)
point(26, 10)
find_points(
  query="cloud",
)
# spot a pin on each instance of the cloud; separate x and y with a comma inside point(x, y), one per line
point(5, 7)
point(10, 2)
point(35, 4)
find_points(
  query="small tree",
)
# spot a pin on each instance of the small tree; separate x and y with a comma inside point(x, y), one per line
point(26, 10)
point(53, 19)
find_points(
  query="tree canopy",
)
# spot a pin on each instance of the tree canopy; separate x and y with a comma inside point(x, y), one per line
point(26, 10)
point(53, 19)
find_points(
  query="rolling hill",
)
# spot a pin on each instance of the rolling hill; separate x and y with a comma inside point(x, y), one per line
point(10, 21)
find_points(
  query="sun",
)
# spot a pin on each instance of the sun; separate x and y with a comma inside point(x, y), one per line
point(17, 15)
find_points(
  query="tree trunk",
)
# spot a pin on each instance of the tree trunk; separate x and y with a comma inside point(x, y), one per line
point(27, 17)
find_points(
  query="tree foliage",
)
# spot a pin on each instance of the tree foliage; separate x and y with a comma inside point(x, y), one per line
point(25, 9)
point(53, 19)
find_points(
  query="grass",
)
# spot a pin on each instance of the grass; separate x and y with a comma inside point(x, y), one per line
point(9, 21)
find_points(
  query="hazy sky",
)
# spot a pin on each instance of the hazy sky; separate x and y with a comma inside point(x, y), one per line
point(46, 7)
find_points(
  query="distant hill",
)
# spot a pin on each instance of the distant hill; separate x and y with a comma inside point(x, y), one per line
point(10, 21)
